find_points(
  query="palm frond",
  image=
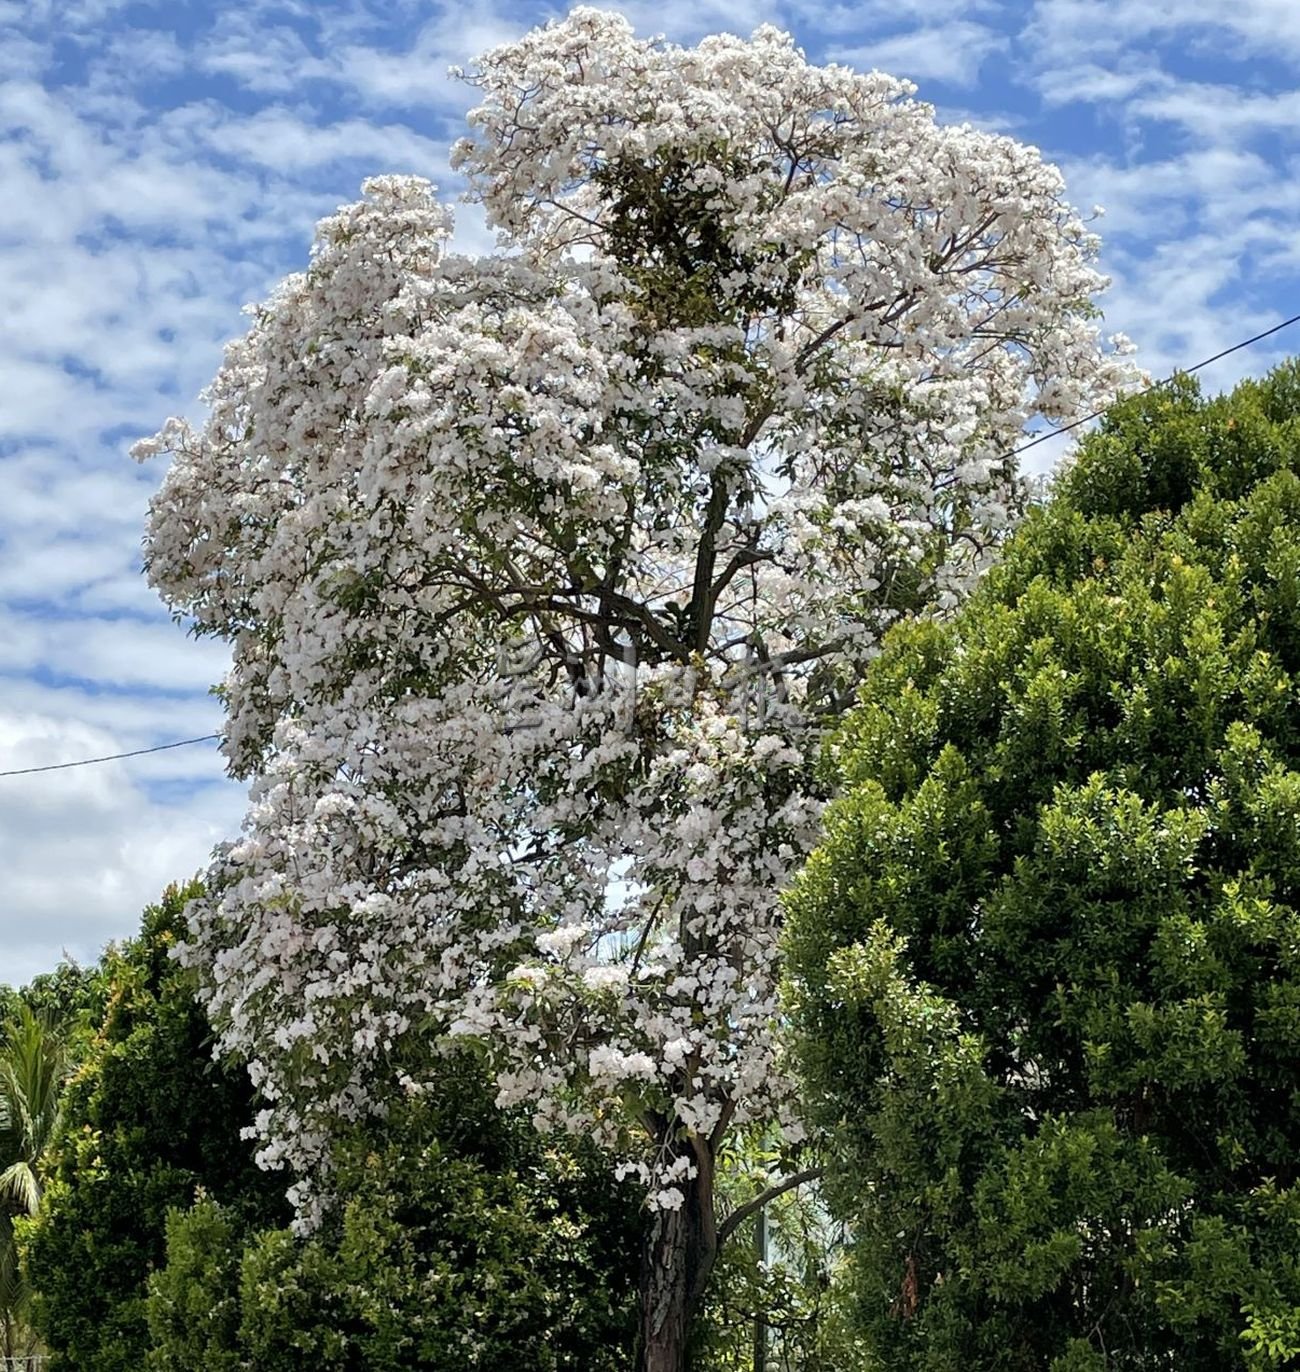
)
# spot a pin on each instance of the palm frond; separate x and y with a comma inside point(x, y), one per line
point(15, 1293)
point(20, 1187)
point(32, 1070)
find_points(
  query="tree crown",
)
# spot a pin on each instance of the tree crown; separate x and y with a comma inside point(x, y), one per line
point(542, 571)
point(1045, 960)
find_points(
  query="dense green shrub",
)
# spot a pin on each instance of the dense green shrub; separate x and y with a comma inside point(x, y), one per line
point(1045, 966)
point(193, 1305)
point(463, 1239)
point(462, 1243)
point(148, 1117)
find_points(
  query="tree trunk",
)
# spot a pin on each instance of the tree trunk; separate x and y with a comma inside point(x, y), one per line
point(678, 1256)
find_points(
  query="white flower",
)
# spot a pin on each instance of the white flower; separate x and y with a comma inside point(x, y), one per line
point(675, 1051)
point(605, 978)
point(534, 977)
point(559, 942)
point(606, 1063)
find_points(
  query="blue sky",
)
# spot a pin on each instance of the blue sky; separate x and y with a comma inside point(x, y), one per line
point(161, 164)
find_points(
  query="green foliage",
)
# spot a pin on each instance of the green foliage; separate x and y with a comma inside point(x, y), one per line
point(462, 1242)
point(776, 1284)
point(193, 1306)
point(69, 1000)
point(32, 1069)
point(665, 232)
point(149, 1118)
point(1045, 965)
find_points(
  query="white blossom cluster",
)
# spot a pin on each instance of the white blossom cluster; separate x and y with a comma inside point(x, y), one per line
point(543, 572)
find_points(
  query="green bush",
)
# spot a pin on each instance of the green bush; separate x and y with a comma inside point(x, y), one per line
point(148, 1118)
point(193, 1304)
point(462, 1242)
point(1045, 965)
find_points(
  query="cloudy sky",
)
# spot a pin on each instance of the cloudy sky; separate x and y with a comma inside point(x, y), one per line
point(162, 162)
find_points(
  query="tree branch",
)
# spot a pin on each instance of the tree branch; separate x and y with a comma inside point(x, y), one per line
point(752, 1207)
point(700, 610)
point(744, 557)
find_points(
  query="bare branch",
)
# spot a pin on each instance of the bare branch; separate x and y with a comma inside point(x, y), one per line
point(763, 1199)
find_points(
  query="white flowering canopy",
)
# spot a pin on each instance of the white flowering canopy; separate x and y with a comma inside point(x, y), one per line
point(543, 572)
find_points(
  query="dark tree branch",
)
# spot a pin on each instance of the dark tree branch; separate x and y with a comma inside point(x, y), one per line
point(761, 1201)
point(745, 557)
point(700, 611)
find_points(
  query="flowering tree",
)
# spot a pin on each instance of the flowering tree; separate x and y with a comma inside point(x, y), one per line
point(543, 571)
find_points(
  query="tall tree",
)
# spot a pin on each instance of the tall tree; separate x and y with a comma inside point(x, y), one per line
point(542, 571)
point(1046, 962)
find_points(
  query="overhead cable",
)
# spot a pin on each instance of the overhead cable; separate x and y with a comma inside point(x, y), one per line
point(1154, 386)
point(109, 757)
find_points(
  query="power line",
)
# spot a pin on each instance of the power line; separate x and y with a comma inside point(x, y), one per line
point(1154, 386)
point(108, 757)
point(1015, 452)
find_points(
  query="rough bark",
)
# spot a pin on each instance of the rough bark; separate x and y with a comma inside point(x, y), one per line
point(679, 1254)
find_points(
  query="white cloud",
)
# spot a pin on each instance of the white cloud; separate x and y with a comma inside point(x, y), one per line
point(85, 849)
point(73, 17)
point(147, 54)
point(1091, 83)
point(417, 78)
point(131, 719)
point(683, 21)
point(1186, 239)
point(258, 54)
point(123, 652)
point(871, 14)
point(951, 53)
point(1159, 199)
point(20, 57)
point(1245, 27)
point(277, 138)
point(1222, 114)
